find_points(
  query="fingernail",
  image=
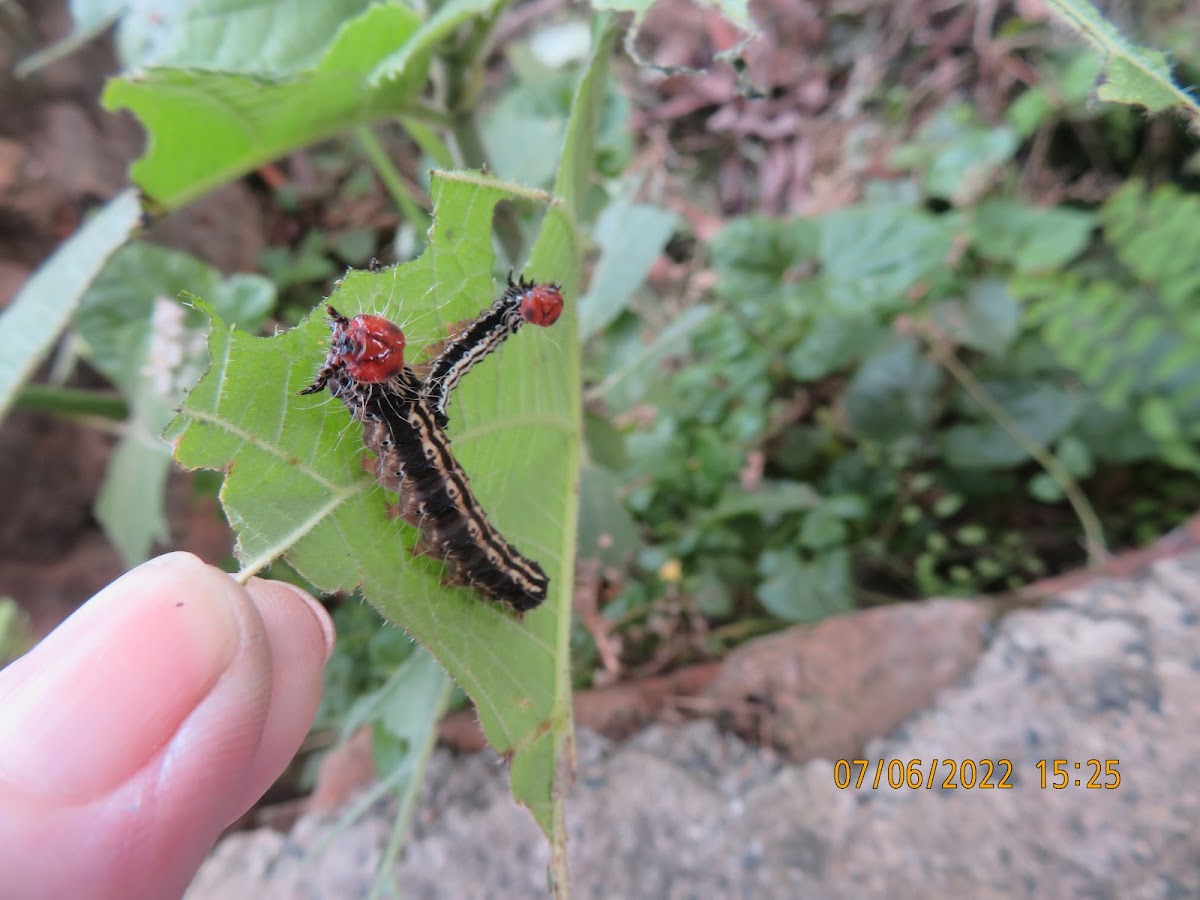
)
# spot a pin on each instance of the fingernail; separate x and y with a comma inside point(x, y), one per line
point(91, 704)
point(262, 588)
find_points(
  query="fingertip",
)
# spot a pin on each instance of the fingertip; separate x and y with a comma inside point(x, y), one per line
point(163, 708)
point(111, 685)
point(300, 634)
point(280, 594)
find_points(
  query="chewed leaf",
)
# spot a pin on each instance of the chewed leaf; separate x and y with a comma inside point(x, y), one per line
point(1138, 76)
point(207, 127)
point(296, 488)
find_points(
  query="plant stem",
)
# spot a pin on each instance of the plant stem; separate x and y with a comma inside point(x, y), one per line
point(424, 132)
point(72, 402)
point(474, 156)
point(458, 90)
point(737, 632)
point(410, 790)
point(1093, 531)
point(392, 180)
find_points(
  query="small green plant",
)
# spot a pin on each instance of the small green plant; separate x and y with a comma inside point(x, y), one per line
point(926, 393)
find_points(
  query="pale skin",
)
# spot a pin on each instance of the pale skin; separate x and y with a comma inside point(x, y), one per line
point(146, 723)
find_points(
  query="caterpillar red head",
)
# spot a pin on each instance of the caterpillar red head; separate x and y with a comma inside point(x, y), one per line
point(539, 304)
point(369, 348)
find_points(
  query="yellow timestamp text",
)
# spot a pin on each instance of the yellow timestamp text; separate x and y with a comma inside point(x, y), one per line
point(1059, 774)
point(914, 774)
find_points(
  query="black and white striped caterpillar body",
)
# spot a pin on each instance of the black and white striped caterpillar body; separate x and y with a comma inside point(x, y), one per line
point(523, 301)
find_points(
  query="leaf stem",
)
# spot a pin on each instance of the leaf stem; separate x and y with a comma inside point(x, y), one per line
point(391, 178)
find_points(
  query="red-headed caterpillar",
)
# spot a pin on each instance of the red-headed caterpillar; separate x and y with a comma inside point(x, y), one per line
point(365, 369)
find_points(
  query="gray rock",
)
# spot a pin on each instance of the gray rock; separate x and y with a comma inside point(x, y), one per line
point(1110, 671)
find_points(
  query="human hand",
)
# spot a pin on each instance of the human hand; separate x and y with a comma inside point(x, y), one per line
point(147, 722)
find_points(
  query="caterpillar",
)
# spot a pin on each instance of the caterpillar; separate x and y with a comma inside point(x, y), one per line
point(403, 419)
point(523, 301)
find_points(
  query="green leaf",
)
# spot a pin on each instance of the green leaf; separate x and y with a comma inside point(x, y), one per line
point(304, 264)
point(407, 709)
point(252, 37)
point(948, 505)
point(1159, 419)
point(832, 343)
point(755, 256)
point(1041, 411)
point(89, 19)
point(988, 319)
point(971, 535)
point(606, 530)
point(16, 633)
point(772, 501)
point(872, 255)
point(294, 487)
point(136, 333)
point(579, 149)
point(268, 37)
point(1154, 233)
point(404, 712)
point(671, 340)
point(1044, 488)
point(130, 503)
point(800, 591)
point(605, 442)
point(37, 315)
point(893, 395)
point(115, 315)
point(956, 156)
point(711, 595)
point(542, 775)
point(1028, 237)
point(1134, 75)
point(523, 140)
point(631, 236)
point(1075, 456)
point(207, 128)
point(823, 529)
point(412, 56)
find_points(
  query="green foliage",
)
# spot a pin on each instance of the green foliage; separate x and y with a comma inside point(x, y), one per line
point(957, 157)
point(805, 590)
point(525, 129)
point(152, 348)
point(270, 36)
point(1128, 329)
point(631, 236)
point(41, 310)
point(881, 467)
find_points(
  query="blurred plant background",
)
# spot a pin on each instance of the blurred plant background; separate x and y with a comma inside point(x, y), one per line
point(883, 303)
